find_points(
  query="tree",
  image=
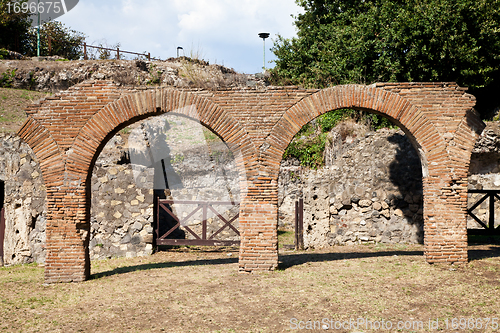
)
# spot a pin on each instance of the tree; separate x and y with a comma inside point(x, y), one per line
point(13, 28)
point(359, 41)
point(64, 42)
point(17, 34)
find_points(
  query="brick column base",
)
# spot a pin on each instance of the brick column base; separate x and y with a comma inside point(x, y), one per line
point(445, 223)
point(67, 232)
point(259, 236)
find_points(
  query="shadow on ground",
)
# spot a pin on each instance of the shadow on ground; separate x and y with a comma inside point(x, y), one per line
point(289, 260)
point(476, 252)
point(145, 267)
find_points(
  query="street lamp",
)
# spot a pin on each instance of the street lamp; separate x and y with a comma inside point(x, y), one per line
point(264, 35)
point(38, 32)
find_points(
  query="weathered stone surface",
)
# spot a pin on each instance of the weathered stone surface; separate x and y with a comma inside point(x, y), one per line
point(24, 202)
point(379, 165)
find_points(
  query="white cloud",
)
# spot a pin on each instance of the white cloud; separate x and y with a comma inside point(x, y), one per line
point(222, 30)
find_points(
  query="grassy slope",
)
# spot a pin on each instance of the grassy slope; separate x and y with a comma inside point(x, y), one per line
point(12, 105)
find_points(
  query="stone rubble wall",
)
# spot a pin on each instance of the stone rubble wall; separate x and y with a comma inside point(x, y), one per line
point(24, 203)
point(122, 213)
point(56, 75)
point(371, 192)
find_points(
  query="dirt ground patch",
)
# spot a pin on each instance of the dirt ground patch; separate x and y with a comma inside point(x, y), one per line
point(196, 291)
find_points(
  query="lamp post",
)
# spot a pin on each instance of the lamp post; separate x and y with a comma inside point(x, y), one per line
point(179, 48)
point(264, 35)
point(38, 32)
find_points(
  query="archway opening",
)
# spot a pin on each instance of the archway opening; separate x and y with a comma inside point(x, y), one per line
point(164, 174)
point(360, 178)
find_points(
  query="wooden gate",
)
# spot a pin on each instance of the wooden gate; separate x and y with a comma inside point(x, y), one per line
point(489, 229)
point(199, 239)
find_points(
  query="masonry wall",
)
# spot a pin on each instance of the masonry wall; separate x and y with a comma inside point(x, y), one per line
point(361, 170)
point(67, 130)
point(24, 202)
point(370, 193)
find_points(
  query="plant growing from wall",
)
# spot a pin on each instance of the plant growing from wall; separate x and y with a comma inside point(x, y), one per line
point(7, 78)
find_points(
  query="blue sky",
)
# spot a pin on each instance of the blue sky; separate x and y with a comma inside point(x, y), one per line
point(221, 31)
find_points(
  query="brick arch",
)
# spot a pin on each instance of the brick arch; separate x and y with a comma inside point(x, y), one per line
point(66, 132)
point(413, 121)
point(443, 164)
point(134, 107)
point(45, 149)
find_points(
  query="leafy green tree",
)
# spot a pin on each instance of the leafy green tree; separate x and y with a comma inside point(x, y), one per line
point(13, 28)
point(16, 34)
point(359, 41)
point(64, 41)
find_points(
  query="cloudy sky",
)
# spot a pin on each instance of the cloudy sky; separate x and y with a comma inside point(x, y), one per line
point(221, 31)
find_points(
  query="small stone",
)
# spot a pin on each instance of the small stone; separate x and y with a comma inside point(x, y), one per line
point(104, 179)
point(117, 215)
point(398, 212)
point(35, 174)
point(113, 171)
point(377, 206)
point(141, 198)
point(137, 226)
point(386, 213)
point(365, 203)
point(385, 205)
point(134, 202)
point(365, 209)
point(115, 202)
point(119, 190)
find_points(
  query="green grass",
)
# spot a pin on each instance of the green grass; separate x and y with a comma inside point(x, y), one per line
point(285, 237)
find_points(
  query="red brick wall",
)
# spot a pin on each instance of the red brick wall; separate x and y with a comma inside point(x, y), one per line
point(68, 131)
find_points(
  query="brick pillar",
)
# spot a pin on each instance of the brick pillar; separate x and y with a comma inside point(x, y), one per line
point(259, 236)
point(67, 233)
point(445, 226)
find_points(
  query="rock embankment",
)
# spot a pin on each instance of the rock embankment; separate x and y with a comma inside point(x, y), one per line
point(55, 75)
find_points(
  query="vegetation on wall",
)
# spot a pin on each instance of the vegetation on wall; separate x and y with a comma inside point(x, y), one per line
point(308, 145)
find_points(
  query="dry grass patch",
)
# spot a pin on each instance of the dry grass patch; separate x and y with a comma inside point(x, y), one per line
point(194, 291)
point(12, 107)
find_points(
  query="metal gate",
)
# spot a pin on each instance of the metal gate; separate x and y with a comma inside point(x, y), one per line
point(199, 239)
